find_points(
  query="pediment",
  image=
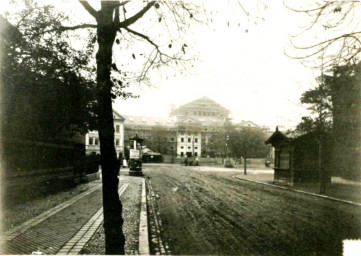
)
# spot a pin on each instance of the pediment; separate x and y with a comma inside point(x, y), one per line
point(189, 121)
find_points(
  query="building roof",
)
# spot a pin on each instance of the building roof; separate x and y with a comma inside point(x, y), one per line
point(247, 124)
point(203, 103)
point(118, 116)
point(8, 30)
point(148, 121)
point(202, 121)
point(276, 138)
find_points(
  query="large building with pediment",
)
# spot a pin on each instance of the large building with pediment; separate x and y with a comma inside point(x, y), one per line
point(189, 130)
point(196, 121)
point(184, 132)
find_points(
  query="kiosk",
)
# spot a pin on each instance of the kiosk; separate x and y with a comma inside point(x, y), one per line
point(135, 156)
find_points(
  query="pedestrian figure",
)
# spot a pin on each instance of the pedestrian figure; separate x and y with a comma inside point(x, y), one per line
point(186, 161)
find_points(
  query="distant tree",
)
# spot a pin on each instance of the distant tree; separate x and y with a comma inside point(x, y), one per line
point(249, 143)
point(239, 142)
point(160, 140)
point(335, 104)
point(319, 102)
point(345, 85)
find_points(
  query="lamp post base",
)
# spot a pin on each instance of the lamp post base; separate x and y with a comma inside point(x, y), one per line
point(138, 172)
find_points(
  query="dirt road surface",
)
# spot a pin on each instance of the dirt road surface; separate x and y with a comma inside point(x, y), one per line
point(200, 211)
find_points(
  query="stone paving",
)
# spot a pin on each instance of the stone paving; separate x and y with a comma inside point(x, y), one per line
point(78, 241)
point(74, 221)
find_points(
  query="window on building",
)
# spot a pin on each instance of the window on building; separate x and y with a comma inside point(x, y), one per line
point(96, 141)
point(117, 128)
point(196, 140)
point(189, 147)
point(189, 140)
point(94, 153)
point(182, 154)
point(195, 153)
point(116, 142)
point(182, 139)
point(182, 147)
point(195, 147)
point(90, 140)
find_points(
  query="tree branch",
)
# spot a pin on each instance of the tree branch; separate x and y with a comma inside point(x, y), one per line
point(62, 28)
point(136, 17)
point(89, 8)
point(142, 36)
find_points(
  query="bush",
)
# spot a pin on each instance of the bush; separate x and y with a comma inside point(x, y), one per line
point(228, 164)
point(92, 163)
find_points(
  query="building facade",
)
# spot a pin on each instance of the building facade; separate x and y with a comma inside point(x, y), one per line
point(184, 132)
point(196, 122)
point(92, 145)
point(159, 133)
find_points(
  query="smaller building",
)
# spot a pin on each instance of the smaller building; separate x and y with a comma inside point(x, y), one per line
point(297, 160)
point(92, 144)
point(149, 156)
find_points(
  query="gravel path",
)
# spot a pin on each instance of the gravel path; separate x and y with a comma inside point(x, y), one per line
point(131, 211)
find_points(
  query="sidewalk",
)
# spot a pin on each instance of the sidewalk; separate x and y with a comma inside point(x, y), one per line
point(339, 189)
point(64, 229)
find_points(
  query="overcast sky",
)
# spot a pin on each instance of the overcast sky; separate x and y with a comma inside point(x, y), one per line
point(241, 65)
point(246, 72)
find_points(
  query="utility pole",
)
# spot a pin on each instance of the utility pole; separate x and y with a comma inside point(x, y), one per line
point(227, 139)
point(321, 174)
point(245, 152)
point(245, 157)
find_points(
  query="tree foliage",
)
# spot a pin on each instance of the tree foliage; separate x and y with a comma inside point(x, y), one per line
point(45, 90)
point(239, 142)
point(160, 140)
point(336, 103)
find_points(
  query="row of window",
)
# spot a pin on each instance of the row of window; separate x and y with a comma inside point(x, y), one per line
point(203, 113)
point(189, 147)
point(131, 119)
point(190, 140)
point(188, 153)
point(95, 141)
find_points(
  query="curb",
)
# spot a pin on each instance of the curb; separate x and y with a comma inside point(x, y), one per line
point(143, 224)
point(302, 192)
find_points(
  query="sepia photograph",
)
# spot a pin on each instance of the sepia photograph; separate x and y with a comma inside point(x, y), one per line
point(180, 127)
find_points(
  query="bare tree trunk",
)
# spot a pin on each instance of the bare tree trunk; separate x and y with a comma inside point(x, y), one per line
point(113, 221)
